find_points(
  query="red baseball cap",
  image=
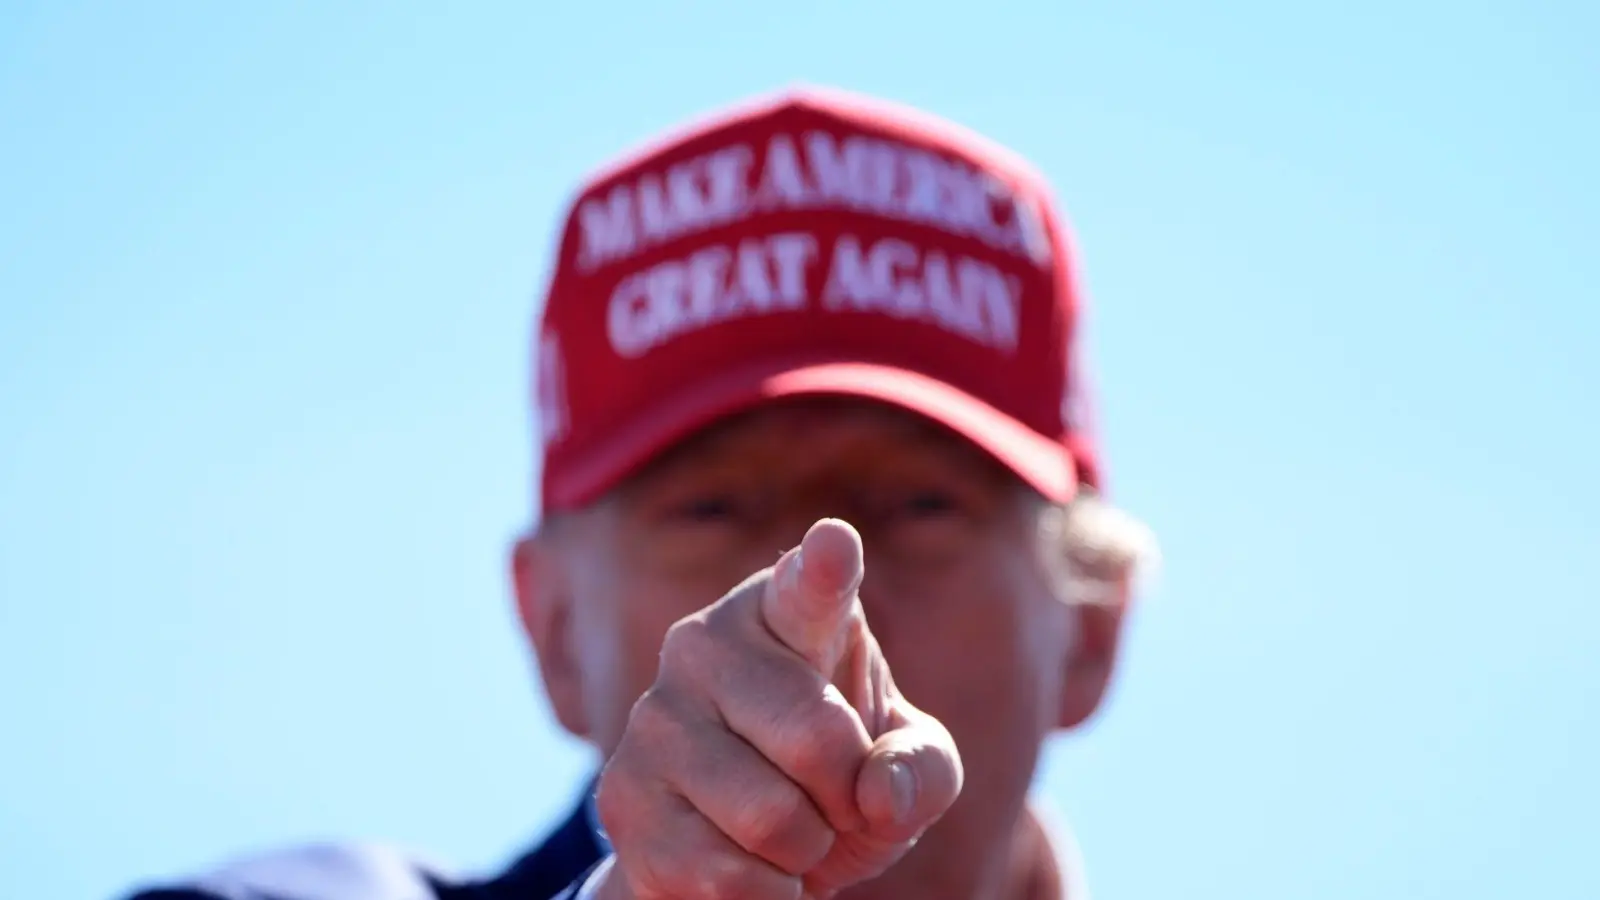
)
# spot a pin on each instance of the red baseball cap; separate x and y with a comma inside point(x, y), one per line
point(815, 243)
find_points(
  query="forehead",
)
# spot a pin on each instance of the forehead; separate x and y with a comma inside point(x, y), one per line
point(817, 432)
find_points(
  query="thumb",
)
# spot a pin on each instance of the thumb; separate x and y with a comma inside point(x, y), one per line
point(809, 603)
point(910, 779)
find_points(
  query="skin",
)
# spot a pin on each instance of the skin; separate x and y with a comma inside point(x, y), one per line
point(773, 622)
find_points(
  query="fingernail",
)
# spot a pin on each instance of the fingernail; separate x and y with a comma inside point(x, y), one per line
point(790, 577)
point(797, 565)
point(902, 790)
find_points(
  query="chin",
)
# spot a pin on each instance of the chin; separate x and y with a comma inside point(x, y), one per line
point(969, 850)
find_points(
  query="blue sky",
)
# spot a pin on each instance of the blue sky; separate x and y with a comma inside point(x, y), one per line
point(266, 277)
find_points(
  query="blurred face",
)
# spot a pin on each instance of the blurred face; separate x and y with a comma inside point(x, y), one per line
point(959, 589)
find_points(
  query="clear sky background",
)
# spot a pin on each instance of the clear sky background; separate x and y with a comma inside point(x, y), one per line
point(267, 272)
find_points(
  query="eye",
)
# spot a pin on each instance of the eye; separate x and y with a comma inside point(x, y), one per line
point(918, 504)
point(924, 524)
point(929, 504)
point(709, 509)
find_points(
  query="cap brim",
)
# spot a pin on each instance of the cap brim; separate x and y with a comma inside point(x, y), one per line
point(1046, 465)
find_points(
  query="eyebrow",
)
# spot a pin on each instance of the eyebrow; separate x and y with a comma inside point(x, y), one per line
point(947, 449)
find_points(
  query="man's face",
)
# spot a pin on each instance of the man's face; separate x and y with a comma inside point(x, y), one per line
point(959, 590)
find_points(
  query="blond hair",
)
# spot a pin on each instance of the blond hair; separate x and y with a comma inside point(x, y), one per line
point(1101, 550)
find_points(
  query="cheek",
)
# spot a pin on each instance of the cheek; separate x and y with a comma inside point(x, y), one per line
point(983, 657)
point(619, 626)
point(982, 652)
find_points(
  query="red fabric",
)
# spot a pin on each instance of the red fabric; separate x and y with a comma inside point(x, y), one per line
point(811, 243)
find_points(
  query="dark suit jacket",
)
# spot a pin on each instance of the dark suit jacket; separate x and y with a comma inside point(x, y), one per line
point(373, 872)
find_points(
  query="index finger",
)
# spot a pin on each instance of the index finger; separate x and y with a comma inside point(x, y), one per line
point(809, 601)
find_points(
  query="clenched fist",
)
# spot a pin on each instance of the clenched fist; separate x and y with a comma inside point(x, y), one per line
point(773, 758)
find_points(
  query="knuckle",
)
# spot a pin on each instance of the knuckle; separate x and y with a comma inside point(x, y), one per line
point(688, 644)
point(722, 877)
point(780, 824)
point(654, 722)
point(763, 820)
point(818, 736)
point(613, 799)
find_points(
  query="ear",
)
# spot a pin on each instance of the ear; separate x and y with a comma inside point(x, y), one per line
point(544, 604)
point(1088, 672)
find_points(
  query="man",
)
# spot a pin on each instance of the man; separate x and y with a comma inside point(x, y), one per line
point(822, 560)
